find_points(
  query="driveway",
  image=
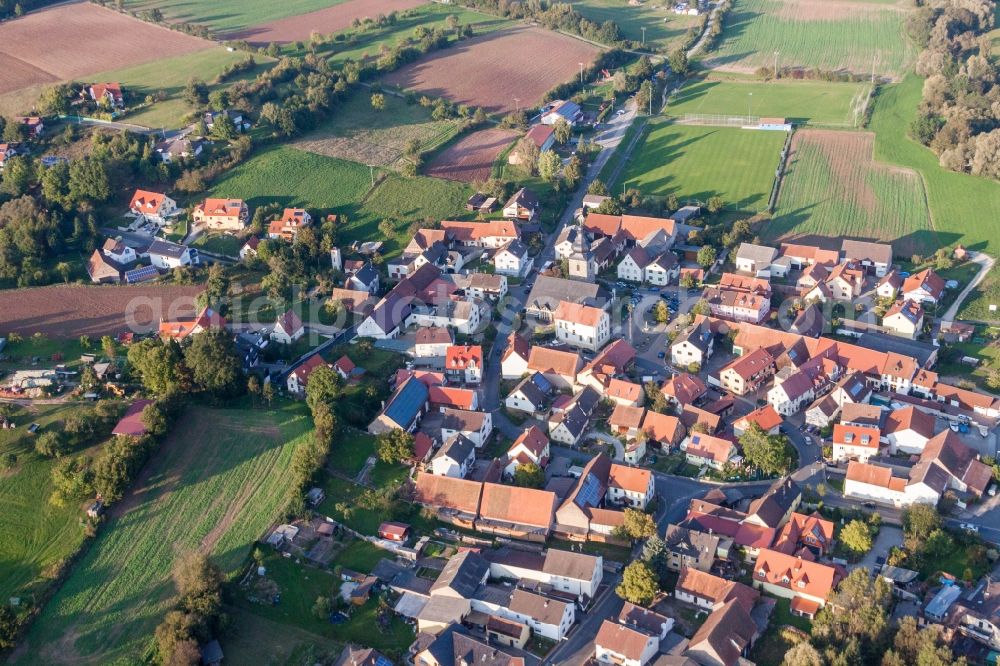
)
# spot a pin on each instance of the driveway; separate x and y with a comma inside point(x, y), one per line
point(985, 262)
point(888, 536)
point(608, 439)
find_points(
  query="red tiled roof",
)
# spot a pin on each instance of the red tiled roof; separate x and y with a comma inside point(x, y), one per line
point(460, 357)
point(578, 313)
point(926, 279)
point(448, 493)
point(621, 640)
point(684, 388)
point(522, 506)
point(144, 201)
point(817, 579)
point(661, 427)
point(631, 479)
point(131, 423)
point(543, 359)
point(859, 436)
point(766, 417)
point(532, 439)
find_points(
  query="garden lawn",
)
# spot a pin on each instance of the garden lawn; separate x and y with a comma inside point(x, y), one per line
point(216, 484)
point(229, 15)
point(806, 36)
point(771, 647)
point(34, 534)
point(352, 450)
point(170, 76)
point(300, 586)
point(322, 184)
point(696, 163)
point(812, 102)
point(664, 29)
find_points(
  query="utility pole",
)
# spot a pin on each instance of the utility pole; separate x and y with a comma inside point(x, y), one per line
point(581, 73)
point(371, 168)
point(517, 104)
point(775, 65)
point(749, 101)
point(643, 36)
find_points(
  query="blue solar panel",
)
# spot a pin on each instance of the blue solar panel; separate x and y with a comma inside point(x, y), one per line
point(856, 388)
point(695, 439)
point(141, 274)
point(590, 492)
point(411, 399)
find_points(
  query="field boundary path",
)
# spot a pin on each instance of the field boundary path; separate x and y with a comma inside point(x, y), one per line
point(986, 263)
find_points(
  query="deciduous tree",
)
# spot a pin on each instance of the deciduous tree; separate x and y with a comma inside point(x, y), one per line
point(639, 584)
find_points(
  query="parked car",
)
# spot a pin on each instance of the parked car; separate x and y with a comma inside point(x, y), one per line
point(969, 527)
point(661, 355)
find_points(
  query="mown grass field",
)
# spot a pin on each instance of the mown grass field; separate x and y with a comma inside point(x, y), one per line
point(34, 534)
point(833, 189)
point(812, 102)
point(361, 134)
point(294, 177)
point(229, 15)
point(964, 209)
point(844, 36)
point(664, 29)
point(218, 481)
point(170, 76)
point(697, 163)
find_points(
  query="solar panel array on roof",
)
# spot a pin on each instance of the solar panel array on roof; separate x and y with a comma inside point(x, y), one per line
point(696, 439)
point(141, 274)
point(382, 661)
point(590, 492)
point(410, 399)
point(856, 389)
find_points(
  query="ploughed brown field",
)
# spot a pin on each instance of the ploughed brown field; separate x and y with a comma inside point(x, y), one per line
point(471, 158)
point(326, 21)
point(492, 70)
point(69, 311)
point(74, 40)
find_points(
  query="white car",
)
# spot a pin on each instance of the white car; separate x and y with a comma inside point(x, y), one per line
point(620, 112)
point(969, 527)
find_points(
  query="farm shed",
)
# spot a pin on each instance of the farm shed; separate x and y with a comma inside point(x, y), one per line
point(394, 531)
point(131, 425)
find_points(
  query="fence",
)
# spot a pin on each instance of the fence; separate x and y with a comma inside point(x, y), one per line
point(722, 120)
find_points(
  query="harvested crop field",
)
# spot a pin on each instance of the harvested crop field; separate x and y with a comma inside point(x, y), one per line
point(69, 311)
point(834, 188)
point(326, 21)
point(471, 158)
point(74, 40)
point(492, 70)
